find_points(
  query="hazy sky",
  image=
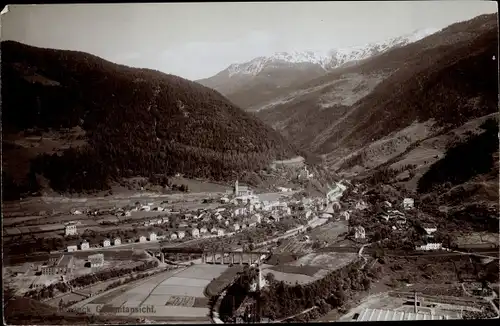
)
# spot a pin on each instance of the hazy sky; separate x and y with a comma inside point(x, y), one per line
point(197, 40)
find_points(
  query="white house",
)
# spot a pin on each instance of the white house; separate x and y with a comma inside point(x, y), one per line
point(84, 245)
point(345, 215)
point(152, 236)
point(106, 243)
point(218, 216)
point(236, 227)
point(173, 236)
point(213, 230)
point(359, 232)
point(408, 203)
point(165, 220)
point(203, 230)
point(127, 214)
point(142, 239)
point(145, 208)
point(226, 222)
point(117, 241)
point(220, 232)
point(195, 233)
point(181, 234)
point(224, 200)
point(72, 248)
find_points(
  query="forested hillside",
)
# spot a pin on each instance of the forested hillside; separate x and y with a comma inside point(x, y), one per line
point(135, 122)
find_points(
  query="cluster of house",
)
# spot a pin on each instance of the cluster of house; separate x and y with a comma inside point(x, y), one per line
point(85, 245)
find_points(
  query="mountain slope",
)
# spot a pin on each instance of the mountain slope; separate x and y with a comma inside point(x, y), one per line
point(83, 121)
point(449, 77)
point(263, 78)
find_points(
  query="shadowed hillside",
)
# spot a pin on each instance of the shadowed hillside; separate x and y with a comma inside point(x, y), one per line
point(131, 121)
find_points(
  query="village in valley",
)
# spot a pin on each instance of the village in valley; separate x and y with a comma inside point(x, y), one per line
point(269, 168)
point(178, 254)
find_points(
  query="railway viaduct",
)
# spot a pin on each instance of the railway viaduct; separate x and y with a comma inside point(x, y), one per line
point(215, 256)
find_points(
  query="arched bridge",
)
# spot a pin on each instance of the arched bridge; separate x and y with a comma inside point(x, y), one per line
point(216, 256)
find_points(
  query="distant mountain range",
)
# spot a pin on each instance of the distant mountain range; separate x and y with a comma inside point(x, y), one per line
point(264, 76)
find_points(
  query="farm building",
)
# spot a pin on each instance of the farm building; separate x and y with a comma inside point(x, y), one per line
point(152, 236)
point(62, 265)
point(392, 315)
point(106, 243)
point(117, 241)
point(84, 245)
point(96, 260)
point(142, 239)
point(70, 229)
point(72, 248)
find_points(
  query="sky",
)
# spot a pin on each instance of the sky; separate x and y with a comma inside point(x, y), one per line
point(197, 40)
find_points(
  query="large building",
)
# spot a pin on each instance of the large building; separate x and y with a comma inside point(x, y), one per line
point(61, 265)
point(96, 260)
point(70, 229)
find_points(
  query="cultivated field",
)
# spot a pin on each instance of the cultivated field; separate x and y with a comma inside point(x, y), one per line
point(174, 294)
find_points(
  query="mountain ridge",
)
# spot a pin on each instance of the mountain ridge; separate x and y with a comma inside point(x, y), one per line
point(267, 75)
point(131, 122)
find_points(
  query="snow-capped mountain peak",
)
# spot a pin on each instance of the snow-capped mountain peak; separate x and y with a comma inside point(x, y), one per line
point(327, 59)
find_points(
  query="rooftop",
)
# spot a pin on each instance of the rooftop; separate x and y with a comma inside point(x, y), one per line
point(392, 315)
